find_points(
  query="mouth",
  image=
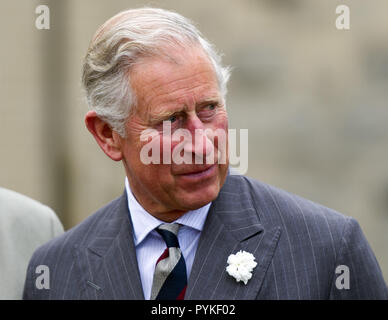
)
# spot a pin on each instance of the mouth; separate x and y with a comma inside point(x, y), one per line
point(200, 173)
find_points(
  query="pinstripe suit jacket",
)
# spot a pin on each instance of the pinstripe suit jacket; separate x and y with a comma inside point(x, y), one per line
point(298, 245)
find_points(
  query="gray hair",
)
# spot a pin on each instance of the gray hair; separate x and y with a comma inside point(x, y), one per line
point(120, 42)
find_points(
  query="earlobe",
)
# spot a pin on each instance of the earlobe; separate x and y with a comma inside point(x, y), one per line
point(106, 138)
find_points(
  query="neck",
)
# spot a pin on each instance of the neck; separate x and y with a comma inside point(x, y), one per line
point(168, 216)
point(154, 208)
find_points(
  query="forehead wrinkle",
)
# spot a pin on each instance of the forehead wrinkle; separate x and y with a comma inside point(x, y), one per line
point(180, 80)
point(170, 100)
point(166, 98)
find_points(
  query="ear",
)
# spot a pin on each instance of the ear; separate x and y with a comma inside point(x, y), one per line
point(108, 139)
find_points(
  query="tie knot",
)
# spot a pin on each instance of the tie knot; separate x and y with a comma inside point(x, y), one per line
point(169, 233)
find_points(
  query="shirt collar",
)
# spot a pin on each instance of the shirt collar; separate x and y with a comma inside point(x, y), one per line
point(143, 222)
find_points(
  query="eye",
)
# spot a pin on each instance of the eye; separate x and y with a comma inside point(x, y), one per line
point(172, 119)
point(211, 106)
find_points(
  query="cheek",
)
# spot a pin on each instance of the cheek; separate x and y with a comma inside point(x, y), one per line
point(146, 162)
point(158, 153)
point(220, 120)
point(135, 128)
point(221, 124)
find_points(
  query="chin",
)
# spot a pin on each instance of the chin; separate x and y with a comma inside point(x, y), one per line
point(200, 198)
point(200, 194)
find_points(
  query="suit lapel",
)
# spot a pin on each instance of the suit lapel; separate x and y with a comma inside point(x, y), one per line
point(232, 225)
point(109, 264)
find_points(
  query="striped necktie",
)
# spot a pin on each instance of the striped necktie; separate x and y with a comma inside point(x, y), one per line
point(170, 279)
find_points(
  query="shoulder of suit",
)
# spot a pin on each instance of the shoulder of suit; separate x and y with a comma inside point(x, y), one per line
point(25, 224)
point(14, 205)
point(284, 206)
point(80, 234)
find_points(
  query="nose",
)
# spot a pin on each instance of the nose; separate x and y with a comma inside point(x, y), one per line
point(201, 144)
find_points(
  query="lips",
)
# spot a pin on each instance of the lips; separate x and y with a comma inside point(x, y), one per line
point(196, 170)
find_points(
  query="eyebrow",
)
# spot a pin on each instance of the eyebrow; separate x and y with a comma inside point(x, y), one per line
point(163, 115)
point(160, 116)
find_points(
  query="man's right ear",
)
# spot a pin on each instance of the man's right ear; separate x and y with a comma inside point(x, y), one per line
point(108, 139)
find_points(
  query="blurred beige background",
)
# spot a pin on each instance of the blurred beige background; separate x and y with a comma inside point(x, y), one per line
point(313, 98)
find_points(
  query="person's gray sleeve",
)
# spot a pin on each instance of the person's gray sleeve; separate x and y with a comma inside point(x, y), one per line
point(56, 225)
point(25, 224)
point(357, 263)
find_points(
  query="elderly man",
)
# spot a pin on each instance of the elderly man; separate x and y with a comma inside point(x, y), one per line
point(189, 229)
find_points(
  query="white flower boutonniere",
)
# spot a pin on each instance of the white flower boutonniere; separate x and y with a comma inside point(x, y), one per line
point(240, 266)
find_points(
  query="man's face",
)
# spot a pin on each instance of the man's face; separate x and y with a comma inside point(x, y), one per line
point(183, 91)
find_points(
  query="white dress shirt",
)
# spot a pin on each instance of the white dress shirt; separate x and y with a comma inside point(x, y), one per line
point(150, 245)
